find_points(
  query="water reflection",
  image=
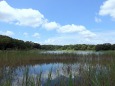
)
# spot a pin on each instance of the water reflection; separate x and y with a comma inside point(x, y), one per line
point(53, 73)
point(58, 69)
point(73, 52)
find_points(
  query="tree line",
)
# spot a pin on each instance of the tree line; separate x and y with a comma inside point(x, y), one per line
point(68, 47)
point(105, 46)
point(98, 47)
point(10, 43)
point(15, 44)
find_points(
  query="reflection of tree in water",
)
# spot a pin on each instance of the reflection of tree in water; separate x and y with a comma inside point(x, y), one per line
point(64, 76)
point(7, 75)
point(11, 76)
point(67, 75)
point(74, 69)
point(67, 69)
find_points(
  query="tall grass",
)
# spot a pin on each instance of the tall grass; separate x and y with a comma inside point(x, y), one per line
point(89, 77)
point(93, 70)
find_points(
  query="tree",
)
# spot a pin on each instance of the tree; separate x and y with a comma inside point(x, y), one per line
point(105, 46)
point(10, 43)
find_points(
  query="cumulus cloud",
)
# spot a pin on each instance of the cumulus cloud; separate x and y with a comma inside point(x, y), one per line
point(25, 17)
point(71, 28)
point(7, 33)
point(108, 8)
point(100, 38)
point(69, 39)
point(51, 25)
point(76, 28)
point(36, 35)
point(33, 18)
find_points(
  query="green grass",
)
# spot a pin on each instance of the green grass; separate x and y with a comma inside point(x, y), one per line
point(89, 77)
point(100, 69)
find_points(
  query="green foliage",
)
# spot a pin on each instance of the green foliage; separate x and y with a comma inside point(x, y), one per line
point(7, 43)
point(10, 43)
point(68, 47)
point(105, 46)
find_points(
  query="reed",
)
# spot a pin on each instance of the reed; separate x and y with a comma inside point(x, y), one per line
point(100, 69)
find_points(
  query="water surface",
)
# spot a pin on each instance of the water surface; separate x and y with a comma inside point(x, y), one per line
point(56, 72)
point(74, 52)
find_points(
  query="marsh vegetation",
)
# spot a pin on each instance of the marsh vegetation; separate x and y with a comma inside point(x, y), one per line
point(57, 68)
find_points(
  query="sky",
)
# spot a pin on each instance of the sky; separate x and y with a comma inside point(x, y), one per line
point(59, 22)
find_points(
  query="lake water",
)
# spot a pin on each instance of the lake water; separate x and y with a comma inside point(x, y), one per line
point(74, 52)
point(58, 71)
point(51, 72)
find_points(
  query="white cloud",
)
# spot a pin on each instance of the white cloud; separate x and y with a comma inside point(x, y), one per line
point(98, 20)
point(108, 8)
point(33, 18)
point(101, 37)
point(7, 33)
point(76, 29)
point(25, 17)
point(106, 36)
point(51, 25)
point(71, 28)
point(70, 39)
point(36, 35)
point(87, 34)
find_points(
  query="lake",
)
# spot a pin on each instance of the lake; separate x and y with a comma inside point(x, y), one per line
point(89, 69)
point(74, 52)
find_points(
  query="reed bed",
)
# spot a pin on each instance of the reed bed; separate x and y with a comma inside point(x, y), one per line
point(94, 69)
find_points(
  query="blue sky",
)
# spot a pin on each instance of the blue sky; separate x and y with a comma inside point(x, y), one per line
point(59, 22)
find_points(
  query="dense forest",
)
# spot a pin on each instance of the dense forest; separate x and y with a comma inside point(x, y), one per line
point(68, 47)
point(98, 47)
point(8, 43)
